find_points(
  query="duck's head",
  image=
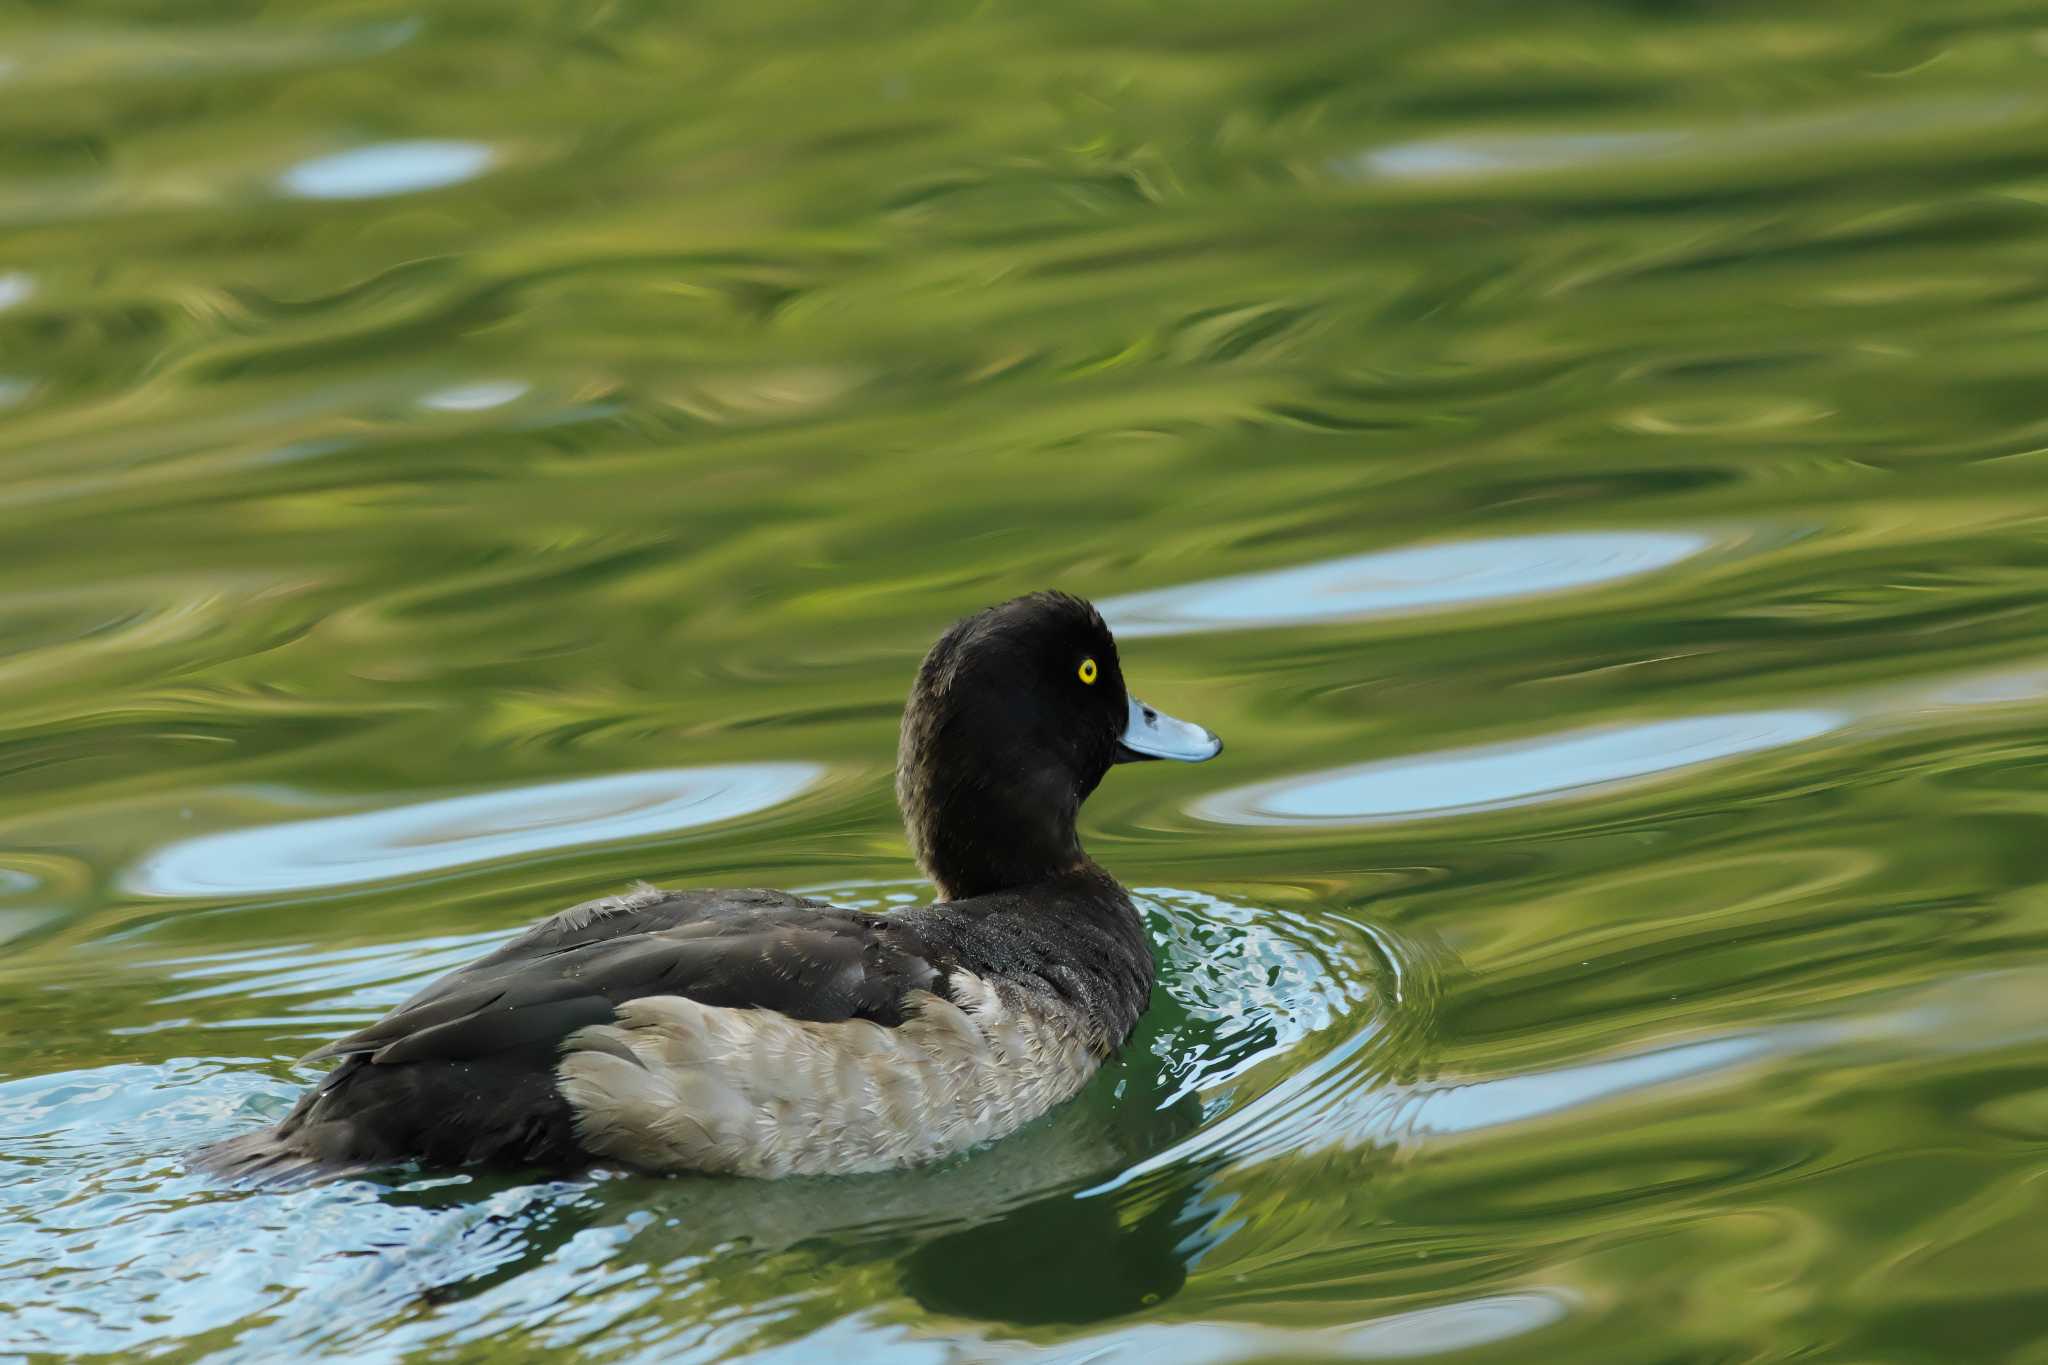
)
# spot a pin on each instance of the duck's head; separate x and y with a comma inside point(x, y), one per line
point(1017, 713)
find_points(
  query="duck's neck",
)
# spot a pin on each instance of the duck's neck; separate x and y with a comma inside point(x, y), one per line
point(974, 837)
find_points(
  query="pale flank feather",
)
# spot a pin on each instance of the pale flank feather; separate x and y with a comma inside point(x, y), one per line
point(675, 1085)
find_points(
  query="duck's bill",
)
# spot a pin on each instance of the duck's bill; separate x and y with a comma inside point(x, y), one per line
point(1151, 733)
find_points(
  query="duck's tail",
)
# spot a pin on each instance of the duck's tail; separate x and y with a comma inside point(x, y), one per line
point(266, 1157)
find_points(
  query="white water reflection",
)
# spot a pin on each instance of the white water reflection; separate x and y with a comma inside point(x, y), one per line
point(2002, 687)
point(388, 168)
point(478, 397)
point(1538, 1094)
point(1416, 578)
point(1526, 153)
point(1898, 127)
point(1492, 776)
point(1443, 1329)
point(430, 836)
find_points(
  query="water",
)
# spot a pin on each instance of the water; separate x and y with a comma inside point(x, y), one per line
point(1588, 462)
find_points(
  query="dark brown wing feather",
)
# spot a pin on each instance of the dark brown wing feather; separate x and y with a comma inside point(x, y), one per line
point(464, 1071)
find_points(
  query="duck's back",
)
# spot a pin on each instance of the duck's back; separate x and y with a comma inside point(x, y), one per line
point(748, 1032)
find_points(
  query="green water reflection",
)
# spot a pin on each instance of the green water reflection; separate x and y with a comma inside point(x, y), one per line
point(1590, 461)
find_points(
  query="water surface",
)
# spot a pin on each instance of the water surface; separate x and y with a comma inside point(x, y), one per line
point(1589, 463)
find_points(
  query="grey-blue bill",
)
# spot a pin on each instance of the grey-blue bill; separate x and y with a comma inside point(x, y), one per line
point(1151, 733)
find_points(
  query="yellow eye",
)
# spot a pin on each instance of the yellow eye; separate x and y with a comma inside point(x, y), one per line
point(1088, 670)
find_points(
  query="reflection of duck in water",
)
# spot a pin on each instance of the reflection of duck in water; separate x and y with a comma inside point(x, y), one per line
point(759, 1033)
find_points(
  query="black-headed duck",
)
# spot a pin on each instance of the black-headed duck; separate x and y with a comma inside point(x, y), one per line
point(758, 1033)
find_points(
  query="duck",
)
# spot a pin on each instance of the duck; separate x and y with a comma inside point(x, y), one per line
point(762, 1034)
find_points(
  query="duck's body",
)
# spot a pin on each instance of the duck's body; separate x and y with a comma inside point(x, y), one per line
point(758, 1033)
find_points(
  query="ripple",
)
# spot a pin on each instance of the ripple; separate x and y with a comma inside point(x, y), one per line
point(86, 55)
point(1412, 579)
point(1526, 153)
point(15, 924)
point(1976, 1013)
point(1900, 128)
point(1493, 776)
point(388, 168)
point(353, 985)
point(1442, 1329)
point(2004, 687)
point(37, 891)
point(1508, 1100)
point(478, 397)
point(1259, 980)
point(129, 1252)
point(408, 840)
